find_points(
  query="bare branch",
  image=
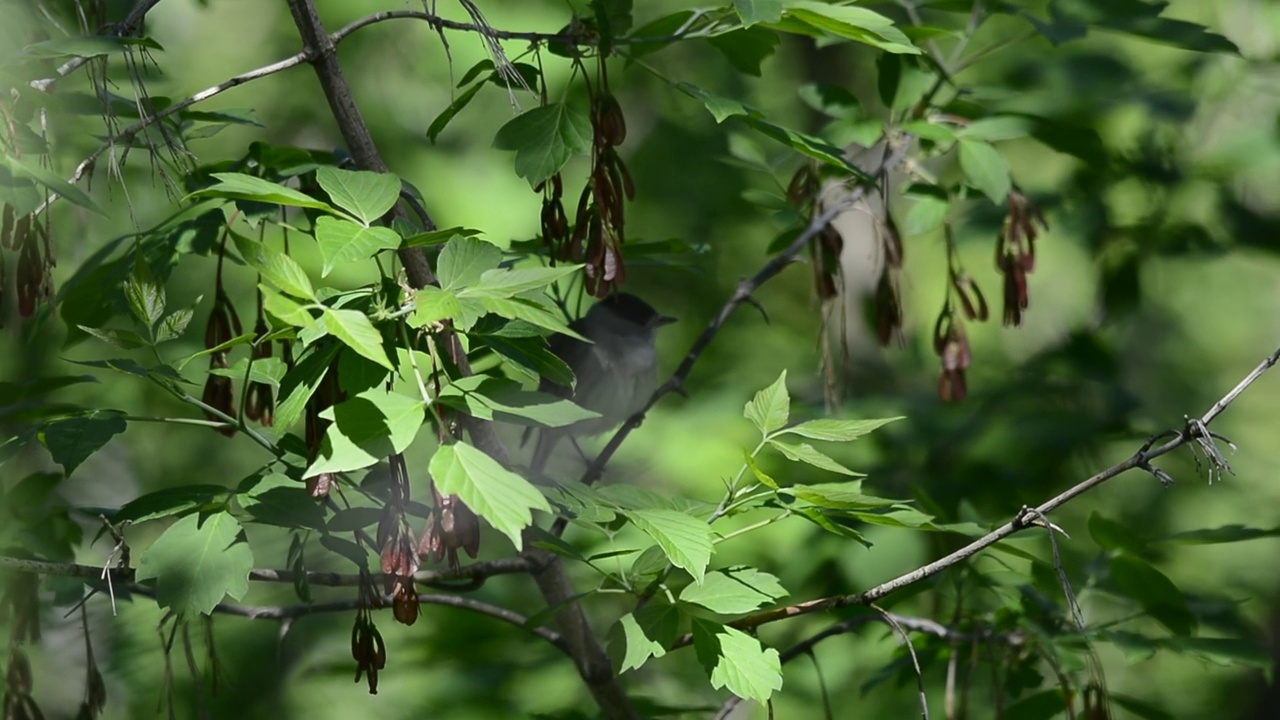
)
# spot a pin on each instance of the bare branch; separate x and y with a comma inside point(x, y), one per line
point(120, 29)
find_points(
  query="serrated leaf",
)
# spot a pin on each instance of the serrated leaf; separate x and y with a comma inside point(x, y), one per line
point(836, 430)
point(342, 241)
point(300, 383)
point(173, 325)
point(734, 591)
point(355, 331)
point(736, 661)
point(280, 501)
point(145, 295)
point(72, 440)
point(985, 168)
point(837, 496)
point(238, 186)
point(544, 138)
point(806, 453)
point(366, 429)
point(197, 562)
point(501, 497)
point(464, 260)
point(639, 647)
point(367, 195)
point(267, 371)
point(431, 305)
point(528, 311)
point(770, 407)
point(282, 308)
point(685, 540)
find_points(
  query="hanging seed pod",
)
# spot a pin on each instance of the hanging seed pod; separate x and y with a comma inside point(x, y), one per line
point(613, 124)
point(888, 309)
point(7, 221)
point(30, 276)
point(21, 229)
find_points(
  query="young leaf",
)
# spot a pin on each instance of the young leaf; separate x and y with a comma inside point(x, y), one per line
point(841, 496)
point(431, 304)
point(353, 328)
point(734, 591)
point(638, 647)
point(145, 295)
point(238, 186)
point(490, 398)
point(72, 440)
point(985, 168)
point(342, 241)
point(117, 337)
point(685, 540)
point(806, 453)
point(366, 429)
point(1157, 594)
point(544, 138)
point(174, 324)
point(461, 101)
point(836, 430)
point(495, 493)
point(280, 501)
point(737, 661)
point(367, 195)
point(926, 213)
point(747, 48)
point(769, 409)
point(464, 260)
point(298, 385)
point(197, 562)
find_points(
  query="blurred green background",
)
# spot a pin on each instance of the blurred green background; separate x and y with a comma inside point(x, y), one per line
point(1156, 290)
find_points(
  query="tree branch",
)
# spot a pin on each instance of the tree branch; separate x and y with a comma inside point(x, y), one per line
point(1024, 519)
point(476, 572)
point(120, 29)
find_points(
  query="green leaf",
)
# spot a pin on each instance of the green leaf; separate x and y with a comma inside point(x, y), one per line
point(1159, 597)
point(276, 268)
point(300, 383)
point(89, 46)
point(355, 330)
point(532, 356)
point(197, 562)
point(835, 525)
point(172, 501)
point(367, 195)
point(806, 453)
point(464, 260)
point(461, 101)
point(685, 540)
point(997, 127)
point(503, 283)
point(490, 398)
point(1225, 651)
point(366, 429)
point(751, 12)
point(145, 295)
point(173, 325)
point(985, 168)
point(544, 138)
point(769, 409)
point(238, 186)
point(46, 177)
point(437, 237)
point(1112, 535)
point(831, 100)
point(734, 591)
point(639, 647)
point(496, 494)
point(342, 241)
point(431, 304)
point(1224, 534)
point(282, 308)
point(529, 311)
point(116, 337)
point(838, 496)
point(855, 23)
point(746, 48)
point(281, 501)
point(761, 476)
point(72, 440)
point(836, 430)
point(927, 213)
point(736, 661)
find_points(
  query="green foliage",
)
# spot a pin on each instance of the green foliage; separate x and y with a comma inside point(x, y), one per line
point(357, 405)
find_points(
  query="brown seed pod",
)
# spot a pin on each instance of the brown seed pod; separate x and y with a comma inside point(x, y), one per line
point(6, 227)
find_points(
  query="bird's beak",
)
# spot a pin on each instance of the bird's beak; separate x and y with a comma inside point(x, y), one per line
point(663, 320)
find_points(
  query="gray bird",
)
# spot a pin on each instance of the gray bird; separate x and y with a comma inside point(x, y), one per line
point(616, 372)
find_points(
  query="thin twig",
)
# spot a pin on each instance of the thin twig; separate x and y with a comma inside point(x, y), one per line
point(121, 29)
